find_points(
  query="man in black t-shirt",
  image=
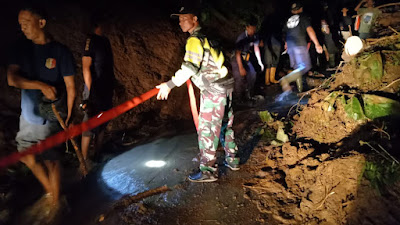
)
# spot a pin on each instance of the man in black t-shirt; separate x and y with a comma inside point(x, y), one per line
point(297, 27)
point(41, 68)
point(98, 75)
point(346, 24)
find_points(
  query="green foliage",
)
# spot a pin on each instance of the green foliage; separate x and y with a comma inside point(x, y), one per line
point(265, 116)
point(281, 136)
point(372, 106)
point(381, 174)
point(268, 134)
point(377, 106)
point(353, 109)
point(373, 64)
point(273, 131)
point(329, 101)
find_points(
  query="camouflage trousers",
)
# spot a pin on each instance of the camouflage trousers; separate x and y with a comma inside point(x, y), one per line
point(215, 122)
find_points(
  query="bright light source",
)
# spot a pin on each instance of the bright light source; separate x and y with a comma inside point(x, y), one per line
point(122, 178)
point(353, 45)
point(155, 163)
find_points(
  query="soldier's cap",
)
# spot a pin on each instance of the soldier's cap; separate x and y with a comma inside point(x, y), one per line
point(187, 10)
point(296, 5)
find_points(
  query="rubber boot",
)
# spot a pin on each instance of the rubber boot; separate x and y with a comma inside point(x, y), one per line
point(272, 75)
point(267, 75)
point(299, 83)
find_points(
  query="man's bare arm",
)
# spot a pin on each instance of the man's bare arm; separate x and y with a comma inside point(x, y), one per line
point(87, 75)
point(71, 94)
point(242, 71)
point(313, 37)
point(359, 5)
point(15, 80)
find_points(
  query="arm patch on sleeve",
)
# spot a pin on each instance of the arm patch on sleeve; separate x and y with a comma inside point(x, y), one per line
point(87, 45)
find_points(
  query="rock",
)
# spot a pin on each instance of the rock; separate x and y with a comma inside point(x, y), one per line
point(323, 157)
point(271, 163)
point(311, 162)
point(306, 206)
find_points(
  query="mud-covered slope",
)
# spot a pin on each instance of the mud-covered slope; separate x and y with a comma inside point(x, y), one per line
point(299, 185)
point(147, 48)
point(370, 81)
point(341, 164)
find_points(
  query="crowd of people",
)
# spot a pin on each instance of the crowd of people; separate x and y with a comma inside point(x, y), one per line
point(44, 70)
point(311, 49)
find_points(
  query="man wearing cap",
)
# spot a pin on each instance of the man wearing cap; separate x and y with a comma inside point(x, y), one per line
point(204, 66)
point(297, 27)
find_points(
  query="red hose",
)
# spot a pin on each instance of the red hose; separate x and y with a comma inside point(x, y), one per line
point(78, 129)
point(193, 105)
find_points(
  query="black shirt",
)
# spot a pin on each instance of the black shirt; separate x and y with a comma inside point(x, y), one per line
point(48, 63)
point(346, 22)
point(102, 70)
point(296, 30)
point(245, 43)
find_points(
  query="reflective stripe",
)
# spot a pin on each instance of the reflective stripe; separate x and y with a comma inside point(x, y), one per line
point(194, 51)
point(193, 58)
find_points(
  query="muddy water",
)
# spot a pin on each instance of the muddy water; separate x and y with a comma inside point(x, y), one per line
point(132, 172)
point(129, 174)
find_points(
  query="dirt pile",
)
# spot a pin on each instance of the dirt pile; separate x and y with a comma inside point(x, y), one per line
point(321, 124)
point(319, 177)
point(367, 84)
point(374, 69)
point(298, 185)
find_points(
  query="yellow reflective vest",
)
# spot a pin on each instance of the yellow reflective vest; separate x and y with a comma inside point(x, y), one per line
point(202, 63)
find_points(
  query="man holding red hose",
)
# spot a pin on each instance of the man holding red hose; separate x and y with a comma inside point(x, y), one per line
point(204, 65)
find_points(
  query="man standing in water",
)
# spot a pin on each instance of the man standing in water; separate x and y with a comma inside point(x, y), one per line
point(204, 65)
point(98, 75)
point(44, 71)
point(297, 27)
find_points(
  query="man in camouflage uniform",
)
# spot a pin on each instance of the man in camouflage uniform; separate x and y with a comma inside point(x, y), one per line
point(204, 65)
